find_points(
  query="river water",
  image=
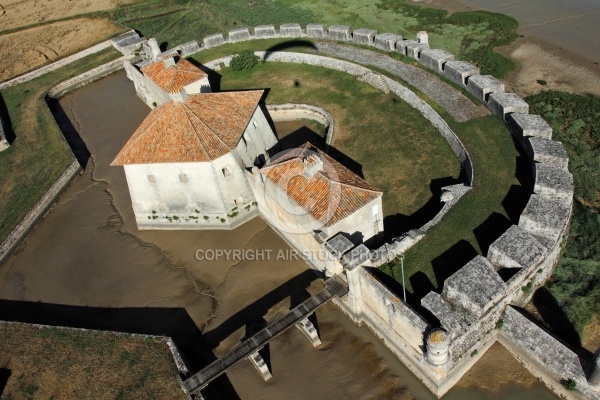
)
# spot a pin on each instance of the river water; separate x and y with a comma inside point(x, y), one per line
point(87, 265)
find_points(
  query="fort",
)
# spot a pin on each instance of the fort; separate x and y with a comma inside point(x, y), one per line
point(479, 304)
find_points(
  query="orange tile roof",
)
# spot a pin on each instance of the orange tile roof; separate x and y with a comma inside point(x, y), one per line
point(173, 79)
point(330, 195)
point(202, 128)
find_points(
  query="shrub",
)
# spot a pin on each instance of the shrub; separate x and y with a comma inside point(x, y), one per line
point(542, 82)
point(245, 60)
point(569, 384)
point(500, 324)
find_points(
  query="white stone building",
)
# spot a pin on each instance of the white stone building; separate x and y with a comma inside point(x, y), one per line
point(185, 163)
point(164, 79)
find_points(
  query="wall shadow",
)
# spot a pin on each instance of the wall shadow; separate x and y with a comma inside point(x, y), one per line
point(289, 45)
point(172, 322)
point(4, 375)
point(76, 143)
point(214, 78)
point(6, 122)
point(396, 225)
point(294, 288)
point(554, 316)
point(452, 260)
point(490, 230)
point(518, 195)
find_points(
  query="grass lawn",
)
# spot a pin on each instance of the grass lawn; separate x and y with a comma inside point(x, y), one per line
point(480, 217)
point(470, 35)
point(399, 151)
point(53, 363)
point(39, 154)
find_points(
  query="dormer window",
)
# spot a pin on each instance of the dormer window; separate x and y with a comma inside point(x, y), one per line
point(151, 179)
point(226, 171)
point(183, 178)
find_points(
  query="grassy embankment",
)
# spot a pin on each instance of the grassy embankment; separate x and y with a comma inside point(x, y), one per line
point(92, 365)
point(470, 36)
point(39, 154)
point(401, 171)
point(575, 284)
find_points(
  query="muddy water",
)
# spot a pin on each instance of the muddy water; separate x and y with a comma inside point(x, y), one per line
point(87, 265)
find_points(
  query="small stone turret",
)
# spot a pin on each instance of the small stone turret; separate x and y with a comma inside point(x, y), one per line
point(422, 37)
point(594, 380)
point(437, 343)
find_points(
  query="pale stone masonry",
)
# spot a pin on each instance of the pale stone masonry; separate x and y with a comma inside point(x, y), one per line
point(526, 125)
point(553, 183)
point(414, 50)
point(264, 31)
point(435, 59)
point(507, 103)
point(481, 86)
point(516, 249)
point(451, 318)
point(339, 32)
point(547, 151)
point(545, 218)
point(290, 30)
point(238, 35)
point(459, 72)
point(315, 30)
point(386, 41)
point(364, 36)
point(3, 142)
point(213, 40)
point(128, 43)
point(476, 286)
point(338, 245)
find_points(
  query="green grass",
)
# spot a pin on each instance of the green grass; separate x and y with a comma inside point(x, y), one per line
point(39, 154)
point(575, 284)
point(415, 152)
point(58, 363)
point(453, 242)
point(470, 35)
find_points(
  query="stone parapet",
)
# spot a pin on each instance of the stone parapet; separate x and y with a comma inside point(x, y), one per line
point(459, 72)
point(265, 31)
point(339, 32)
point(482, 86)
point(414, 49)
point(527, 125)
point(545, 218)
point(315, 30)
point(364, 36)
point(553, 183)
point(502, 104)
point(213, 40)
point(290, 30)
point(386, 41)
point(546, 151)
point(239, 35)
point(516, 248)
point(435, 59)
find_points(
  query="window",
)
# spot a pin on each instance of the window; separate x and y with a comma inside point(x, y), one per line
point(183, 178)
point(151, 179)
point(254, 123)
point(226, 171)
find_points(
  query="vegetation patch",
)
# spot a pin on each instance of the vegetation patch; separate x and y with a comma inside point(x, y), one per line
point(245, 60)
point(575, 283)
point(54, 363)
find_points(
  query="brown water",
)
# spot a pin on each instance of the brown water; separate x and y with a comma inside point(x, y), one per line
point(87, 265)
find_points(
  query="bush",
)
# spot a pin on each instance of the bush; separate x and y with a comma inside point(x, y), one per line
point(245, 60)
point(569, 384)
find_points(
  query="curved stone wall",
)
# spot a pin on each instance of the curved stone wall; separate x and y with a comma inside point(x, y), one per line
point(292, 112)
point(530, 248)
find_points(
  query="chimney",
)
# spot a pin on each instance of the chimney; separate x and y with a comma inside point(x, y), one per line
point(154, 47)
point(169, 62)
point(312, 165)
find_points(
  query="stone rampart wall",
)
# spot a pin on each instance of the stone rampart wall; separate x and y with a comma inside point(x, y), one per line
point(292, 112)
point(549, 230)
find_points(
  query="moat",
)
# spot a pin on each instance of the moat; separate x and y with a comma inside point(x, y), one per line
point(98, 264)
